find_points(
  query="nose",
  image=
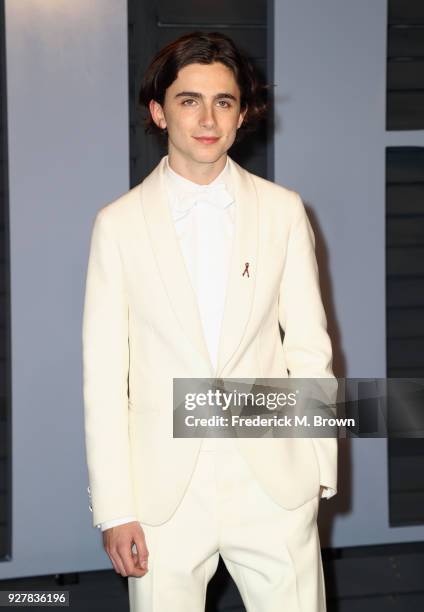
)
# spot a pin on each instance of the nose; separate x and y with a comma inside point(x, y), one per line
point(207, 117)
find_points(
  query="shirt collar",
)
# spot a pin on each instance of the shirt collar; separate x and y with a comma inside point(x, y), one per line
point(179, 184)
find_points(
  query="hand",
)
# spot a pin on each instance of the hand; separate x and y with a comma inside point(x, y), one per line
point(118, 542)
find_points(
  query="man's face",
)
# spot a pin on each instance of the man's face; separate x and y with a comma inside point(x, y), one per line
point(201, 112)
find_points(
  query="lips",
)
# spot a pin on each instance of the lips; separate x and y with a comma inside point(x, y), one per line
point(206, 139)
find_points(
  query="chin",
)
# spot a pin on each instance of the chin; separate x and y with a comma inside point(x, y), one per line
point(208, 156)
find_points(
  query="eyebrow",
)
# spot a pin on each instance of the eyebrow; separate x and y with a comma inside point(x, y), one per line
point(195, 94)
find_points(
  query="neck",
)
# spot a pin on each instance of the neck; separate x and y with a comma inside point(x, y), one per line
point(200, 173)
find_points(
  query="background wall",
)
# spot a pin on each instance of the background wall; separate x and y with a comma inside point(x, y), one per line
point(68, 156)
point(330, 72)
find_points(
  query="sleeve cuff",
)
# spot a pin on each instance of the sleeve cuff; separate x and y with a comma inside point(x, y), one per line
point(116, 522)
point(328, 492)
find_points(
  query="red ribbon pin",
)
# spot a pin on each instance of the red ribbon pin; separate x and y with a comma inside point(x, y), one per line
point(246, 269)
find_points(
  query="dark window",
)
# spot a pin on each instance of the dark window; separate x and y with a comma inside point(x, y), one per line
point(405, 318)
point(405, 65)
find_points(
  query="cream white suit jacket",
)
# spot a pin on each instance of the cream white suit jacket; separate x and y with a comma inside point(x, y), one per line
point(142, 328)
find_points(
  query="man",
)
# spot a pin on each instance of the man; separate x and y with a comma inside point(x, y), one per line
point(190, 274)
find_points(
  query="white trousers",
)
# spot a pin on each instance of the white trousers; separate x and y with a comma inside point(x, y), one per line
point(272, 554)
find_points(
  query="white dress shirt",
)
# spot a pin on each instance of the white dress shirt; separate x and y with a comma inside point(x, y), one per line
point(204, 217)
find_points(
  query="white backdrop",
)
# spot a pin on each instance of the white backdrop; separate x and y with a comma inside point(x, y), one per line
point(68, 156)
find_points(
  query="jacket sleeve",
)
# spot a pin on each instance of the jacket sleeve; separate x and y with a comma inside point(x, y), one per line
point(307, 346)
point(105, 373)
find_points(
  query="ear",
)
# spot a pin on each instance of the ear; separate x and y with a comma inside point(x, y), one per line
point(241, 117)
point(157, 114)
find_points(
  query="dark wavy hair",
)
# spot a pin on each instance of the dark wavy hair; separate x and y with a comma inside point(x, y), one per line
point(203, 48)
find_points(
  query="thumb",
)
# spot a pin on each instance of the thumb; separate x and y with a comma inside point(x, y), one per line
point(141, 554)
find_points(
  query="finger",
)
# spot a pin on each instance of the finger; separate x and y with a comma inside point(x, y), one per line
point(115, 567)
point(137, 572)
point(117, 562)
point(126, 558)
point(136, 558)
point(110, 551)
point(142, 565)
point(142, 552)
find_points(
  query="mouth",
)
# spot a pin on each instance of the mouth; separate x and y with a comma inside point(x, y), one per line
point(206, 139)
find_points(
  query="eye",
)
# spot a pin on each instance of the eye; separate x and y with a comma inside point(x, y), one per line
point(188, 102)
point(224, 104)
